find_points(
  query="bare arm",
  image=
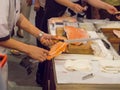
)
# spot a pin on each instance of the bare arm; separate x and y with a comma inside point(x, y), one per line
point(73, 6)
point(66, 3)
point(46, 39)
point(24, 24)
point(32, 51)
point(96, 3)
point(100, 4)
point(14, 44)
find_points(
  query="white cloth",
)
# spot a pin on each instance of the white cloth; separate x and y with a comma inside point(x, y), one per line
point(8, 17)
point(78, 65)
point(110, 66)
point(3, 18)
point(9, 14)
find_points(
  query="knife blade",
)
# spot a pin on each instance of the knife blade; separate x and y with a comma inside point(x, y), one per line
point(80, 40)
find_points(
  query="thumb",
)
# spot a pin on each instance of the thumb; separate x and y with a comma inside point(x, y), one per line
point(45, 51)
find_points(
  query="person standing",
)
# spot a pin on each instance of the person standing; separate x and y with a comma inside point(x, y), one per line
point(39, 7)
point(57, 8)
point(10, 16)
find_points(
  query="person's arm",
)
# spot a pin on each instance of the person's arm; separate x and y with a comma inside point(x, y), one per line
point(100, 4)
point(45, 39)
point(24, 24)
point(66, 3)
point(73, 6)
point(32, 51)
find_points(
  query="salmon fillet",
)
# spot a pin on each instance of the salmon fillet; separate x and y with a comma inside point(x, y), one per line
point(57, 49)
point(75, 33)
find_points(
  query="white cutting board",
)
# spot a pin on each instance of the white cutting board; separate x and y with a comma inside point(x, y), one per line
point(64, 76)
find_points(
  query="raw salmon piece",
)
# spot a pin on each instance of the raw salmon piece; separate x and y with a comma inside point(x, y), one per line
point(57, 49)
point(75, 33)
point(117, 33)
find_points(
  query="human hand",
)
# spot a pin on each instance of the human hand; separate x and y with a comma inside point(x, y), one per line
point(29, 2)
point(49, 40)
point(117, 15)
point(111, 9)
point(37, 53)
point(77, 8)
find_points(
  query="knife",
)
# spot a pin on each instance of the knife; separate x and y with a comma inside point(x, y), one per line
point(80, 40)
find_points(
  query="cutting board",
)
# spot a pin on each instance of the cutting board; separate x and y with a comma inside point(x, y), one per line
point(82, 49)
point(114, 40)
point(74, 49)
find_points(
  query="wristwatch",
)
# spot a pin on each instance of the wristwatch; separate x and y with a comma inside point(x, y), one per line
point(40, 35)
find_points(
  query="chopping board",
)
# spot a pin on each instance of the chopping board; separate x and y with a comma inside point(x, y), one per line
point(74, 49)
point(82, 49)
point(109, 30)
point(112, 38)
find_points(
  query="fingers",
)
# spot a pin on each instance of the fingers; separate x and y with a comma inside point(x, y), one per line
point(111, 9)
point(45, 52)
point(77, 8)
point(43, 56)
point(117, 15)
point(48, 41)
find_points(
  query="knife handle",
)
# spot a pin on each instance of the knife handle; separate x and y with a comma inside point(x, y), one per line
point(91, 75)
point(62, 40)
point(106, 44)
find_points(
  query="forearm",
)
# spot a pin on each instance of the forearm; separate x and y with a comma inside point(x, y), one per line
point(26, 25)
point(66, 3)
point(98, 3)
point(13, 44)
